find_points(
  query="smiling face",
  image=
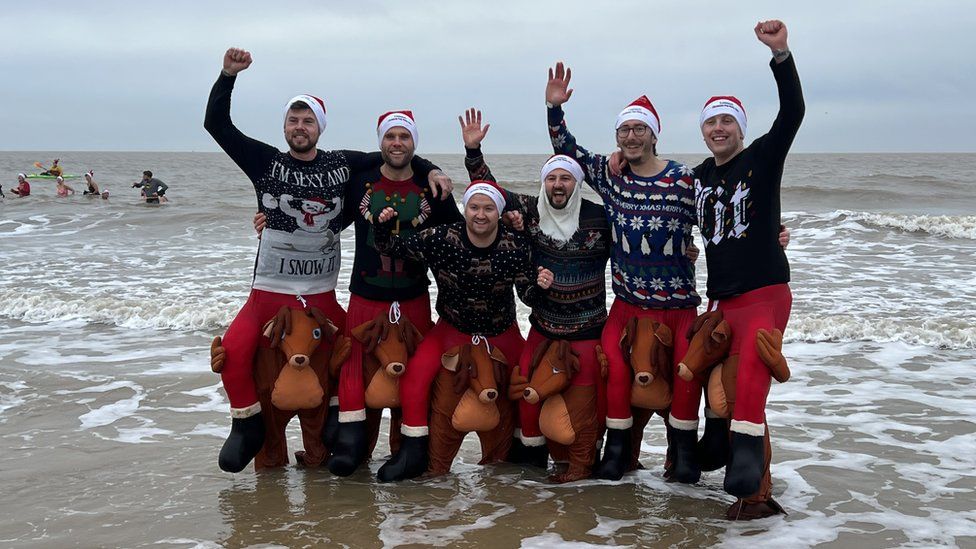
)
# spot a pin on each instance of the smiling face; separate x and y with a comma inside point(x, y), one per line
point(637, 149)
point(301, 129)
point(397, 147)
point(723, 136)
point(481, 216)
point(559, 187)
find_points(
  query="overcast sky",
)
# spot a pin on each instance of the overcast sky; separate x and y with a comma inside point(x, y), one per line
point(877, 75)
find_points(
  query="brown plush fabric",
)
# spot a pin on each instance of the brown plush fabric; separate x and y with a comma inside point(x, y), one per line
point(461, 397)
point(710, 340)
point(303, 390)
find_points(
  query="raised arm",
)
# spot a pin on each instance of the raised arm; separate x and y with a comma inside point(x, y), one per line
point(563, 142)
point(473, 133)
point(776, 143)
point(250, 154)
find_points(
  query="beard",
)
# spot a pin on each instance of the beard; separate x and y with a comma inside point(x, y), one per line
point(302, 149)
point(397, 164)
point(552, 201)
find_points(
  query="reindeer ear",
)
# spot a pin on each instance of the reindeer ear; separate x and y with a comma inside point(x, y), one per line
point(413, 337)
point(329, 328)
point(721, 332)
point(537, 354)
point(627, 336)
point(572, 362)
point(498, 356)
point(663, 334)
point(360, 332)
point(450, 359)
point(269, 327)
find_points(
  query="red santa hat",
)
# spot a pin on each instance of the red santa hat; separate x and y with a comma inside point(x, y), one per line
point(314, 103)
point(724, 104)
point(641, 109)
point(487, 188)
point(396, 119)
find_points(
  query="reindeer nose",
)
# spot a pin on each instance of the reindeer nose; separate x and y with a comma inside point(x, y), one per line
point(488, 395)
point(684, 372)
point(299, 360)
point(644, 378)
point(395, 368)
point(530, 395)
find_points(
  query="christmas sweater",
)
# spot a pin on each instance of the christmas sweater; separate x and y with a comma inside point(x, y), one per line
point(299, 250)
point(474, 285)
point(377, 276)
point(575, 305)
point(739, 201)
point(650, 221)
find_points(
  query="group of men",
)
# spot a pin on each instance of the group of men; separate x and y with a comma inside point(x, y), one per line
point(552, 250)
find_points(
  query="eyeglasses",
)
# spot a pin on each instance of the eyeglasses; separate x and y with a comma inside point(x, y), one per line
point(639, 130)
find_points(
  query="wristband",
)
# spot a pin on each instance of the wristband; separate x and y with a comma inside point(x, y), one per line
point(781, 55)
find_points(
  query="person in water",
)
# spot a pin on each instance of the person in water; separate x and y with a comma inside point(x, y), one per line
point(301, 191)
point(55, 169)
point(23, 186)
point(63, 189)
point(92, 189)
point(153, 190)
point(738, 208)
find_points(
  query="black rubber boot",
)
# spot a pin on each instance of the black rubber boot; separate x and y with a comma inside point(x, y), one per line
point(616, 455)
point(713, 448)
point(744, 473)
point(245, 440)
point(409, 462)
point(536, 456)
point(685, 467)
point(349, 451)
point(331, 428)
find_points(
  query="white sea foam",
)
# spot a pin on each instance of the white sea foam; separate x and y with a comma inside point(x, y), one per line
point(948, 226)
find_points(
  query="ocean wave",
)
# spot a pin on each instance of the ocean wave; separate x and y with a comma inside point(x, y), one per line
point(126, 313)
point(943, 333)
point(948, 226)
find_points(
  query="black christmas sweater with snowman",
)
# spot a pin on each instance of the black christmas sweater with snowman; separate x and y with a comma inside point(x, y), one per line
point(299, 250)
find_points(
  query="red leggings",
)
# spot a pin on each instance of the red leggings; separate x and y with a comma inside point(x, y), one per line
point(589, 374)
point(423, 366)
point(620, 374)
point(244, 333)
point(352, 401)
point(766, 308)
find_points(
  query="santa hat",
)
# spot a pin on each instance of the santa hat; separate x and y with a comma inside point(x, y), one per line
point(641, 109)
point(724, 104)
point(487, 188)
point(90, 174)
point(21, 176)
point(396, 119)
point(314, 103)
point(560, 224)
point(59, 179)
point(558, 161)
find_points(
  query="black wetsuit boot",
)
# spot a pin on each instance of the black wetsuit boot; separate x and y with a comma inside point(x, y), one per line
point(349, 450)
point(409, 462)
point(616, 455)
point(745, 469)
point(331, 428)
point(536, 456)
point(685, 468)
point(245, 440)
point(713, 447)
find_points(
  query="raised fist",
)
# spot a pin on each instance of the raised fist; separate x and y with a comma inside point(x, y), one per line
point(772, 33)
point(236, 60)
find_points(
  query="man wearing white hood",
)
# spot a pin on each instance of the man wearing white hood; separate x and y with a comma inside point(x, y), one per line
point(571, 245)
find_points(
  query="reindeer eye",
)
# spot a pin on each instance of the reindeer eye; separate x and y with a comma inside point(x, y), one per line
point(317, 333)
